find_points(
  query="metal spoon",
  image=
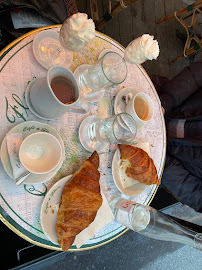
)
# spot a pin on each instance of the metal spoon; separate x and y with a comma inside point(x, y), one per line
point(21, 178)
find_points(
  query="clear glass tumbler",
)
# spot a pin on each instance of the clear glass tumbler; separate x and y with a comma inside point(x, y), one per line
point(118, 129)
point(109, 70)
point(95, 133)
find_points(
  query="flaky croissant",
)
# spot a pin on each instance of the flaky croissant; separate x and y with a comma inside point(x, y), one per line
point(79, 202)
point(140, 166)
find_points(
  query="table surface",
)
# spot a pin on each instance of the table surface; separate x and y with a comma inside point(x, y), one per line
point(20, 206)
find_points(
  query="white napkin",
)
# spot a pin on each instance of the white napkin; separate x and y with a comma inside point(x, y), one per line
point(103, 217)
point(14, 140)
point(128, 181)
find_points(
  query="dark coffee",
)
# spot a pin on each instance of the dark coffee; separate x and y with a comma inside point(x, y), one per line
point(64, 90)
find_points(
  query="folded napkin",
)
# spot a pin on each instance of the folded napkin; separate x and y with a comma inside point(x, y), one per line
point(103, 217)
point(14, 141)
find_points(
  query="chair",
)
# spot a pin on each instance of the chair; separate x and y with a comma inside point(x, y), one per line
point(193, 43)
point(121, 4)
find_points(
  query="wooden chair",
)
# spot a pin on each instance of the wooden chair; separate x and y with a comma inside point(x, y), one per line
point(193, 43)
point(121, 4)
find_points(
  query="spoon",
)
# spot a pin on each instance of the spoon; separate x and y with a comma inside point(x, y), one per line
point(21, 178)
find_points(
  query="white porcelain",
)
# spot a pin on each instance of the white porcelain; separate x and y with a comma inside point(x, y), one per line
point(136, 189)
point(40, 152)
point(27, 128)
point(49, 52)
point(119, 103)
point(49, 209)
point(130, 109)
point(45, 102)
point(29, 104)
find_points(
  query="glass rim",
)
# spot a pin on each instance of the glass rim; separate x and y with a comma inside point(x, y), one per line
point(124, 61)
point(130, 116)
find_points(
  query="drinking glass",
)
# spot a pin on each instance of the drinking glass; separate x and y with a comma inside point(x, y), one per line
point(109, 70)
point(95, 133)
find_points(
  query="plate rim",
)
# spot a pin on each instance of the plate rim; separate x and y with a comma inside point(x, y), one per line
point(65, 180)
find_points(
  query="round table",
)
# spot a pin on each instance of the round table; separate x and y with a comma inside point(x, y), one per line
point(20, 206)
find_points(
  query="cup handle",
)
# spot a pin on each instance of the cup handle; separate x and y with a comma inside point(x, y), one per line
point(81, 106)
point(128, 97)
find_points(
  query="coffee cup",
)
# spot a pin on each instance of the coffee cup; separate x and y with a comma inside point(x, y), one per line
point(56, 94)
point(140, 107)
point(40, 153)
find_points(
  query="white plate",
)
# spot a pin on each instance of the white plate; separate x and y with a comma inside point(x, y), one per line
point(130, 191)
point(119, 103)
point(49, 209)
point(28, 128)
point(48, 50)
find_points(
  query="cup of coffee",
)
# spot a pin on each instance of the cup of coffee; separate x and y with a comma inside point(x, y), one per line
point(140, 107)
point(40, 152)
point(56, 94)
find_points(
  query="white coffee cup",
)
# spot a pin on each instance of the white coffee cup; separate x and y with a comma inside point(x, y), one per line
point(140, 107)
point(46, 103)
point(40, 152)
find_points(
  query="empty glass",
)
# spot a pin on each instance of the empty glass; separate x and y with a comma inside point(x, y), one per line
point(109, 70)
point(95, 132)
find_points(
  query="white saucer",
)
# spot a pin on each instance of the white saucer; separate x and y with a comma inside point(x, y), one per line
point(85, 140)
point(49, 209)
point(28, 128)
point(119, 103)
point(48, 50)
point(28, 101)
point(136, 189)
point(94, 97)
point(104, 52)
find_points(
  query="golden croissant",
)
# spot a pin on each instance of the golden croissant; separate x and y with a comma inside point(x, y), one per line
point(140, 166)
point(79, 202)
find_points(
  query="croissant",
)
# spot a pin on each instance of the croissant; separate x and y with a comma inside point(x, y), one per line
point(79, 202)
point(140, 166)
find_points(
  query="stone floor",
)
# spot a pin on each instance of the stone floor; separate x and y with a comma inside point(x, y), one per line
point(139, 18)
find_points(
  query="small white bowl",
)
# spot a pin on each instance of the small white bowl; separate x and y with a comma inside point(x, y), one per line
point(40, 152)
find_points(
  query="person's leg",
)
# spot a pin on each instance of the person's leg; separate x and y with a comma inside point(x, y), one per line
point(183, 185)
point(183, 172)
point(181, 87)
